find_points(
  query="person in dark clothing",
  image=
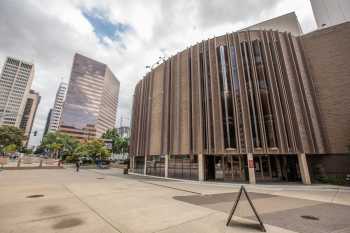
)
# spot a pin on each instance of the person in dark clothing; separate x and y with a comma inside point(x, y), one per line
point(77, 165)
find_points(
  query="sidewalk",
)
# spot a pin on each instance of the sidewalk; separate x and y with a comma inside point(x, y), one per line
point(107, 201)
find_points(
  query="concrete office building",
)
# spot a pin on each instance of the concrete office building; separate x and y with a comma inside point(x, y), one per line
point(15, 82)
point(330, 12)
point(92, 98)
point(253, 105)
point(29, 112)
point(57, 108)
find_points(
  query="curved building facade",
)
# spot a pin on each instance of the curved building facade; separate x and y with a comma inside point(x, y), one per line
point(239, 107)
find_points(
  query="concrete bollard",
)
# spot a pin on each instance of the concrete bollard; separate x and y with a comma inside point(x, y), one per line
point(19, 162)
point(41, 163)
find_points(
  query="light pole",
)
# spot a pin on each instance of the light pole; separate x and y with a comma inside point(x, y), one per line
point(160, 60)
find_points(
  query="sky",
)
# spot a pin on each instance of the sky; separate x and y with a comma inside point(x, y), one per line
point(125, 35)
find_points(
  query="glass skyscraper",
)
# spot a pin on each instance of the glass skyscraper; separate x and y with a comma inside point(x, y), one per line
point(92, 98)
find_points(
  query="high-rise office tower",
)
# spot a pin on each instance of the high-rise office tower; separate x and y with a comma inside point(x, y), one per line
point(91, 104)
point(29, 112)
point(47, 122)
point(328, 13)
point(15, 82)
point(57, 108)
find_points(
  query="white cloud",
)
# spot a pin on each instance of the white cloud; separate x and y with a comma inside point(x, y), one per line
point(48, 33)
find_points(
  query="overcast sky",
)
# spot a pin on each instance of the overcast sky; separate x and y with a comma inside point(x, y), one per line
point(125, 35)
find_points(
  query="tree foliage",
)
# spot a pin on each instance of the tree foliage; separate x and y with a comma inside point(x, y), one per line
point(94, 149)
point(69, 148)
point(59, 144)
point(11, 135)
point(119, 144)
point(9, 149)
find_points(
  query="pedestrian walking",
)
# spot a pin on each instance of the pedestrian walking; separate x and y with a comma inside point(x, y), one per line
point(77, 165)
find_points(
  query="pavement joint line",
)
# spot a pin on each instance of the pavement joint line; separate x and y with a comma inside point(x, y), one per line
point(335, 195)
point(93, 210)
point(187, 221)
point(169, 187)
point(165, 186)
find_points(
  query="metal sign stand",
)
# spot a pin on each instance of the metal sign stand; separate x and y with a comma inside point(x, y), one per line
point(251, 205)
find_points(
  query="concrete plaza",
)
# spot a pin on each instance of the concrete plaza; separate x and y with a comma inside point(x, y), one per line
point(103, 201)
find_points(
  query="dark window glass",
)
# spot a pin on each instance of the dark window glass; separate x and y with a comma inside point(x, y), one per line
point(251, 94)
point(204, 98)
point(226, 98)
point(183, 167)
point(155, 165)
point(265, 95)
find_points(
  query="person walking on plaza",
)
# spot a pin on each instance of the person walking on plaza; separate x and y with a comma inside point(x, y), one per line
point(77, 164)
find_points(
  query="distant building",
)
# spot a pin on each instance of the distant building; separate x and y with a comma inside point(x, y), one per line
point(284, 23)
point(29, 112)
point(57, 108)
point(124, 131)
point(92, 98)
point(47, 122)
point(331, 12)
point(15, 82)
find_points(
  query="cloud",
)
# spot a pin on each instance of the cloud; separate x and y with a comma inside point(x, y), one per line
point(133, 34)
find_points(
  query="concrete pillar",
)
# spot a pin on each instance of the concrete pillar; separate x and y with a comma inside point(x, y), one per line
point(166, 166)
point(251, 169)
point(304, 169)
point(145, 166)
point(132, 163)
point(200, 167)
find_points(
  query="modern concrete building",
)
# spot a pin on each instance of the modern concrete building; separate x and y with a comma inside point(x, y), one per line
point(284, 23)
point(92, 98)
point(253, 105)
point(328, 13)
point(57, 108)
point(15, 82)
point(29, 112)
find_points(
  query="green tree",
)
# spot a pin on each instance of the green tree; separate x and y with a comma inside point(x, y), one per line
point(9, 149)
point(11, 135)
point(59, 144)
point(119, 144)
point(94, 149)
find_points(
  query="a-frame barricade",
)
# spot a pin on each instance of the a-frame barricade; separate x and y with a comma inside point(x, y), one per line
point(243, 190)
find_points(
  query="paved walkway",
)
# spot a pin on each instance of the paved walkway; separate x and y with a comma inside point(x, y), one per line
point(103, 201)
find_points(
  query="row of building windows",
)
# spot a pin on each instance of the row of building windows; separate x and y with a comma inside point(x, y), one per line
point(259, 95)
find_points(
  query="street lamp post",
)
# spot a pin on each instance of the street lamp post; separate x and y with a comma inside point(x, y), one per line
point(160, 60)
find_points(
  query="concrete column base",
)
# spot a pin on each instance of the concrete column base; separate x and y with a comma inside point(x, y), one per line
point(132, 163)
point(251, 169)
point(304, 169)
point(166, 166)
point(200, 167)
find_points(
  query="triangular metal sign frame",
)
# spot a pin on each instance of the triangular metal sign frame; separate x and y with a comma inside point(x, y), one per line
point(262, 227)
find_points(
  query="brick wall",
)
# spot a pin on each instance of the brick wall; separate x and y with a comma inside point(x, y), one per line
point(327, 53)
